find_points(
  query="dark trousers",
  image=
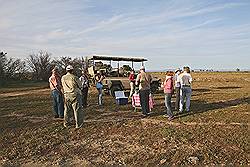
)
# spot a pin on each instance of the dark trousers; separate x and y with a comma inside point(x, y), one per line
point(85, 96)
point(144, 100)
point(177, 101)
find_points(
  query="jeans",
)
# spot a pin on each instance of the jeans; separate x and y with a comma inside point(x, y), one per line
point(100, 96)
point(168, 105)
point(185, 93)
point(177, 101)
point(73, 103)
point(144, 100)
point(85, 96)
point(57, 103)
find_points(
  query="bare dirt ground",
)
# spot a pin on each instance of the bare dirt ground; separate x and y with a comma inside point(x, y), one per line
point(216, 132)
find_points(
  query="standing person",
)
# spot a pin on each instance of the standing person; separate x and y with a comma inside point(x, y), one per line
point(177, 89)
point(168, 87)
point(144, 80)
point(132, 82)
point(185, 80)
point(73, 101)
point(56, 93)
point(99, 78)
point(85, 87)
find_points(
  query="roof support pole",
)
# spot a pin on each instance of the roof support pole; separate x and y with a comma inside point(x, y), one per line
point(118, 67)
point(132, 64)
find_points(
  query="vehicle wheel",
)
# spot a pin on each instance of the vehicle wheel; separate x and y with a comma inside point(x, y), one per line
point(113, 89)
point(154, 87)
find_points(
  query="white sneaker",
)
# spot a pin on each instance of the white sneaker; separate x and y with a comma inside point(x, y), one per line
point(79, 126)
point(65, 125)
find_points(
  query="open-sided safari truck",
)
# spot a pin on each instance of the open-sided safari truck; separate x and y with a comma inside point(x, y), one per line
point(116, 79)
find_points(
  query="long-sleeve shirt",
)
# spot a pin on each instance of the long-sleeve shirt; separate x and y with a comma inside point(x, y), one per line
point(71, 84)
point(185, 79)
point(54, 82)
point(168, 85)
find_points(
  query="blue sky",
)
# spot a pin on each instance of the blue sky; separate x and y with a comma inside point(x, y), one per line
point(169, 33)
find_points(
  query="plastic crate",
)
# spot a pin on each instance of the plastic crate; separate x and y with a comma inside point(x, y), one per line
point(120, 98)
point(122, 101)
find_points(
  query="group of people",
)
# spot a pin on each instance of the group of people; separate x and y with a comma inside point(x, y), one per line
point(70, 93)
point(178, 81)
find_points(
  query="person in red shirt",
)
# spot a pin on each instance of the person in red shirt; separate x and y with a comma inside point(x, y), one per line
point(132, 82)
point(168, 88)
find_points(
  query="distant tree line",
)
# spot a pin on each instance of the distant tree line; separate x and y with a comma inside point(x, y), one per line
point(36, 66)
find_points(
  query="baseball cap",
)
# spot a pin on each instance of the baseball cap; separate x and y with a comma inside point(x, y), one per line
point(142, 68)
point(69, 67)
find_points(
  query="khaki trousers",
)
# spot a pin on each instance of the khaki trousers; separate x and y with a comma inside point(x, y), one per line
point(73, 105)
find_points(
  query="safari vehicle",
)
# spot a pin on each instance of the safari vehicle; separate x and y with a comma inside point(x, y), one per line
point(116, 78)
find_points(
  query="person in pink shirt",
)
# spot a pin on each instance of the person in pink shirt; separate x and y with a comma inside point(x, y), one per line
point(132, 82)
point(168, 88)
point(56, 93)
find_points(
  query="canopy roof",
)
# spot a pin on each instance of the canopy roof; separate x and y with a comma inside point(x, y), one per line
point(116, 58)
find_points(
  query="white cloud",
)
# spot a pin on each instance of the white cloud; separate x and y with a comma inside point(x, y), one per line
point(206, 10)
point(79, 28)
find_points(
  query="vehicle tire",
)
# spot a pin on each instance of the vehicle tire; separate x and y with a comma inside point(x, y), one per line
point(114, 88)
point(154, 87)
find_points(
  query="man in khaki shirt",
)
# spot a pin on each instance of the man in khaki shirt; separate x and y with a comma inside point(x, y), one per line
point(73, 100)
point(144, 81)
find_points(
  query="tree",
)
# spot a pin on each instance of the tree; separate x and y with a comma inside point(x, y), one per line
point(13, 68)
point(40, 65)
point(62, 63)
point(3, 60)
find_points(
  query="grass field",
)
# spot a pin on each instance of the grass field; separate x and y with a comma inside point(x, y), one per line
point(215, 132)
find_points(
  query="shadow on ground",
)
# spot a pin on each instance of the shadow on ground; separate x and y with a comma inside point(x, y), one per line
point(228, 87)
point(202, 106)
